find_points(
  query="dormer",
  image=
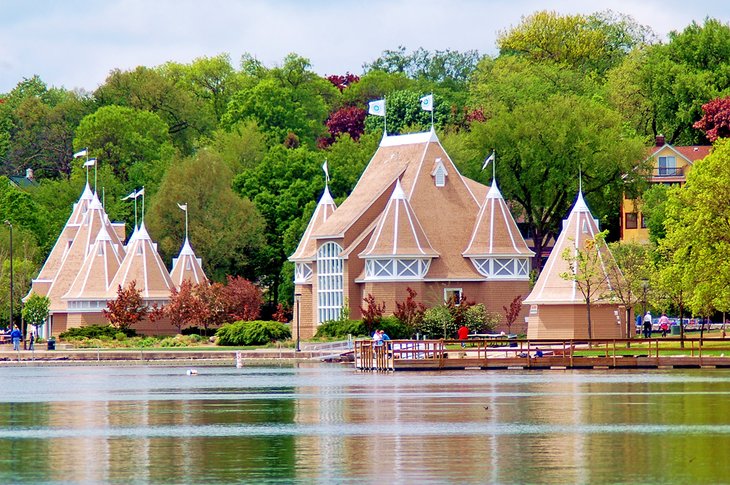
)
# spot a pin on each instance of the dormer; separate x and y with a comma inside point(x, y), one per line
point(439, 173)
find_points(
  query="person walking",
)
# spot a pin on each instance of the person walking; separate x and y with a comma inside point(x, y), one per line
point(15, 337)
point(647, 325)
point(664, 324)
point(463, 334)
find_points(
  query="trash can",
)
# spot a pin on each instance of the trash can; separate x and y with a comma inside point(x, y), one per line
point(51, 343)
point(676, 330)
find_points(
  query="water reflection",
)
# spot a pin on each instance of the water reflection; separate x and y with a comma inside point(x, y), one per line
point(330, 424)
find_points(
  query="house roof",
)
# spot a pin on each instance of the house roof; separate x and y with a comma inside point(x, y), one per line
point(77, 250)
point(187, 267)
point(307, 248)
point(446, 215)
point(143, 264)
point(550, 287)
point(495, 232)
point(398, 233)
point(98, 270)
point(691, 153)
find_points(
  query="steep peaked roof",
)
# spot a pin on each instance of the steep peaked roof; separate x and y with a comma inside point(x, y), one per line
point(446, 214)
point(73, 259)
point(495, 232)
point(399, 233)
point(187, 267)
point(68, 233)
point(307, 249)
point(98, 270)
point(143, 265)
point(550, 288)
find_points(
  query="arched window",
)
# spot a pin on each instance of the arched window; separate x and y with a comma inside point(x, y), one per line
point(329, 282)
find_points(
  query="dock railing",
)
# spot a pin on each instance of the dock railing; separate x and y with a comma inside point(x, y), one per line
point(498, 353)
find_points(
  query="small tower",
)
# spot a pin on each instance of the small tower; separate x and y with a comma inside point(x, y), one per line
point(557, 306)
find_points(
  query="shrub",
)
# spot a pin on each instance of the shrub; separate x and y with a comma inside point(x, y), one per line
point(252, 333)
point(435, 320)
point(341, 329)
point(479, 320)
point(121, 336)
point(94, 332)
point(395, 328)
point(410, 312)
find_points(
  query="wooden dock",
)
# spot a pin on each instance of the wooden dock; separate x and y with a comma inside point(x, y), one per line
point(659, 353)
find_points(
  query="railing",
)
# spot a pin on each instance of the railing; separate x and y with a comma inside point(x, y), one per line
point(392, 354)
point(668, 172)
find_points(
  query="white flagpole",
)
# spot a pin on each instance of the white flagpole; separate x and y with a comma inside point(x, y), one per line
point(143, 204)
point(87, 172)
point(432, 110)
point(95, 164)
point(385, 116)
point(102, 198)
point(494, 165)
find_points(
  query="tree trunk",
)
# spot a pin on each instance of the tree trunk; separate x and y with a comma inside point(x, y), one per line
point(681, 325)
point(588, 311)
point(629, 323)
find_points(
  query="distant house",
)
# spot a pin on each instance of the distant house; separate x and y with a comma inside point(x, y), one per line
point(670, 165)
point(413, 221)
point(24, 181)
point(90, 261)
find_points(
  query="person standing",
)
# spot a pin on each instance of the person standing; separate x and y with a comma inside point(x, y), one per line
point(664, 324)
point(15, 337)
point(463, 334)
point(647, 325)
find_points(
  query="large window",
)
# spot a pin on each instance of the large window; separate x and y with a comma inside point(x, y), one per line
point(329, 282)
point(667, 166)
point(631, 220)
point(302, 273)
point(396, 268)
point(502, 267)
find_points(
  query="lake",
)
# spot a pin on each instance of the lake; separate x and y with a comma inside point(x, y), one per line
point(327, 423)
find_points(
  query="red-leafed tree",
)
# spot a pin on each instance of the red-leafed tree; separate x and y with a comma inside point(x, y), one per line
point(410, 312)
point(212, 306)
point(342, 82)
point(511, 313)
point(350, 120)
point(372, 313)
point(716, 120)
point(241, 299)
point(282, 314)
point(184, 307)
point(127, 309)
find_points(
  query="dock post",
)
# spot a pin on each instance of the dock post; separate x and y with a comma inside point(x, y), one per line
point(239, 359)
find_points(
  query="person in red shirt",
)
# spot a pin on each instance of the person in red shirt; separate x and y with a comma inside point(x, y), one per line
point(463, 334)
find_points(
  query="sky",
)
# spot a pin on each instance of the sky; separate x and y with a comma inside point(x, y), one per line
point(76, 43)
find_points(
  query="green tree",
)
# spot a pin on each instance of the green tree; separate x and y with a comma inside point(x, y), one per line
point(653, 208)
point(225, 230)
point(403, 114)
point(633, 266)
point(543, 146)
point(123, 137)
point(35, 310)
point(587, 271)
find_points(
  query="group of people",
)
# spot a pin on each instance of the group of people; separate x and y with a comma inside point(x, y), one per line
point(647, 327)
point(16, 335)
point(379, 337)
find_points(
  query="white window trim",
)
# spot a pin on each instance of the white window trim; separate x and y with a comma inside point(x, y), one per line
point(447, 291)
point(330, 282)
point(505, 268)
point(389, 269)
point(302, 273)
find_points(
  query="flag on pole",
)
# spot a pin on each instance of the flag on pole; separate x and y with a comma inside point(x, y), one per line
point(183, 207)
point(377, 108)
point(489, 159)
point(82, 153)
point(326, 172)
point(427, 103)
point(133, 195)
point(90, 162)
point(140, 192)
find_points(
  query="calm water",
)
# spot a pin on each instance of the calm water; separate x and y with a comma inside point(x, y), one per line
point(330, 424)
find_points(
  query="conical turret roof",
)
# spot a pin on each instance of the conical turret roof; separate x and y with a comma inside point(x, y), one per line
point(143, 265)
point(187, 267)
point(495, 231)
point(398, 232)
point(98, 270)
point(550, 288)
point(65, 239)
point(94, 219)
point(307, 249)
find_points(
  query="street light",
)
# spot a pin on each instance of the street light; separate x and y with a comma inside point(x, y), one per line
point(7, 223)
point(297, 297)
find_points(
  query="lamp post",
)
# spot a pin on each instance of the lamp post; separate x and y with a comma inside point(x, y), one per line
point(644, 286)
point(297, 297)
point(7, 223)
